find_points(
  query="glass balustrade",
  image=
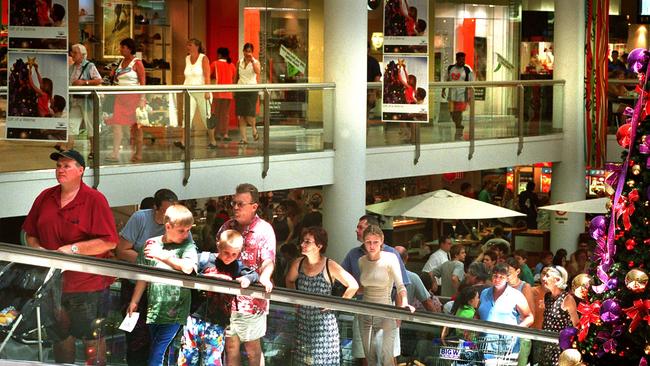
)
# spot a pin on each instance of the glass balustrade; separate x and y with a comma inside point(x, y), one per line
point(148, 126)
point(30, 294)
point(497, 110)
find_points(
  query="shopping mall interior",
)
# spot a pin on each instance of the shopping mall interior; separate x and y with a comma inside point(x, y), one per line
point(321, 134)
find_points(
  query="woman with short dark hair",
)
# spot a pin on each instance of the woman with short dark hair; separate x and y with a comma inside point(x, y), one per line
point(317, 340)
point(129, 72)
point(248, 73)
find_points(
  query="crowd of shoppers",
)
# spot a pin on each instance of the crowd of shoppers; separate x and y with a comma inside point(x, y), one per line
point(127, 114)
point(74, 219)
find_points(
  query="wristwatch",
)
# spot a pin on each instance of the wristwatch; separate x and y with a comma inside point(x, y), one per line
point(74, 249)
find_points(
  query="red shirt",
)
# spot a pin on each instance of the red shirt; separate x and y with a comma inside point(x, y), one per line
point(87, 217)
point(225, 73)
point(43, 105)
point(409, 93)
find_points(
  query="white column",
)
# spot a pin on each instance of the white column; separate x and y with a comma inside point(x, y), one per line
point(346, 26)
point(568, 182)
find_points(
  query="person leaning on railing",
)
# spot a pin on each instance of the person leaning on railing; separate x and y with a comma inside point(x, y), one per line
point(317, 339)
point(73, 218)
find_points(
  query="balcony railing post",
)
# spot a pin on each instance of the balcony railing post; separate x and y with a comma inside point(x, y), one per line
point(520, 119)
point(267, 132)
point(417, 141)
point(472, 127)
point(95, 139)
point(187, 125)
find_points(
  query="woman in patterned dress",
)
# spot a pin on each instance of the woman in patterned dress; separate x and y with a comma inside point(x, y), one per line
point(559, 310)
point(317, 340)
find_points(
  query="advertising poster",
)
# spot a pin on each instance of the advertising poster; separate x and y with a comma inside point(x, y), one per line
point(405, 89)
point(4, 42)
point(406, 26)
point(38, 24)
point(117, 26)
point(86, 11)
point(37, 96)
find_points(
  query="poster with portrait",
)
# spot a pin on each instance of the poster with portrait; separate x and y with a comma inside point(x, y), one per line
point(86, 11)
point(38, 24)
point(118, 24)
point(406, 26)
point(37, 107)
point(405, 89)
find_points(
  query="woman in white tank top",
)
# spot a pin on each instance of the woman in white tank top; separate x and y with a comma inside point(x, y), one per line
point(197, 72)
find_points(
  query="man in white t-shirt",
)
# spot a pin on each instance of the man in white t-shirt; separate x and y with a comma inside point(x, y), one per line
point(458, 97)
point(438, 257)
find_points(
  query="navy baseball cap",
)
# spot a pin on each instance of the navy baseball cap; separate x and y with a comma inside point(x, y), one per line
point(70, 154)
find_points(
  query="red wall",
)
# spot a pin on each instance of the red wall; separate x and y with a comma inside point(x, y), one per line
point(5, 11)
point(223, 31)
point(222, 27)
point(465, 40)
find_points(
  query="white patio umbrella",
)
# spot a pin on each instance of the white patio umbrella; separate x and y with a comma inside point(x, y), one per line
point(596, 205)
point(441, 204)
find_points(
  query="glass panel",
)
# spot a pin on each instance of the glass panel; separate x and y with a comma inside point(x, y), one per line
point(26, 290)
point(299, 121)
point(30, 295)
point(140, 128)
point(496, 115)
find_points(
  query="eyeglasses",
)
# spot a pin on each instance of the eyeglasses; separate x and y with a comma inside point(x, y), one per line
point(241, 204)
point(308, 242)
point(500, 276)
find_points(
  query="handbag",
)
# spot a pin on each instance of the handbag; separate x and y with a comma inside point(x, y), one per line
point(212, 118)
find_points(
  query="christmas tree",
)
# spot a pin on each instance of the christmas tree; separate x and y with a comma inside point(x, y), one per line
point(614, 309)
point(23, 101)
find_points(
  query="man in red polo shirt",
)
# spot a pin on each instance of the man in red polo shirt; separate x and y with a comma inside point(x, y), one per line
point(73, 218)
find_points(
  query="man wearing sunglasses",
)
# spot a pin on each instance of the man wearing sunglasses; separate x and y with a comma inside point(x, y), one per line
point(248, 317)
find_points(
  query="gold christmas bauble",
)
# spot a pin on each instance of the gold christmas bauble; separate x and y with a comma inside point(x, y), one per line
point(647, 349)
point(580, 285)
point(630, 183)
point(636, 169)
point(636, 280)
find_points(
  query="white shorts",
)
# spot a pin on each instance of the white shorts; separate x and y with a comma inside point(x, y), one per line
point(248, 327)
point(357, 343)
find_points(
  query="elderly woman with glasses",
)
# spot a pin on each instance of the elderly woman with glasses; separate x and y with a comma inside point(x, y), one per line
point(559, 309)
point(504, 304)
point(317, 341)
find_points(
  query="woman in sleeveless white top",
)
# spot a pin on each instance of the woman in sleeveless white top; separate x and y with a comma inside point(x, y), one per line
point(197, 72)
point(129, 72)
point(248, 72)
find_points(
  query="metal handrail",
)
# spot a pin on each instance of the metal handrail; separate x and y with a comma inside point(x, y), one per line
point(503, 83)
point(623, 81)
point(116, 89)
point(44, 258)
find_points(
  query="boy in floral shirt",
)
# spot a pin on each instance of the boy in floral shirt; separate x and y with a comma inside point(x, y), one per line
point(204, 335)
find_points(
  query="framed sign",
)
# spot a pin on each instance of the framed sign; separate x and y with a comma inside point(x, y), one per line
point(118, 24)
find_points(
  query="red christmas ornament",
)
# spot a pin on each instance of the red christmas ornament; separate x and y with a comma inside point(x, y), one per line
point(630, 264)
point(623, 135)
point(630, 244)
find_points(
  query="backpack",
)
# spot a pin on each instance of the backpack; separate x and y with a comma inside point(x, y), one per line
point(467, 71)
